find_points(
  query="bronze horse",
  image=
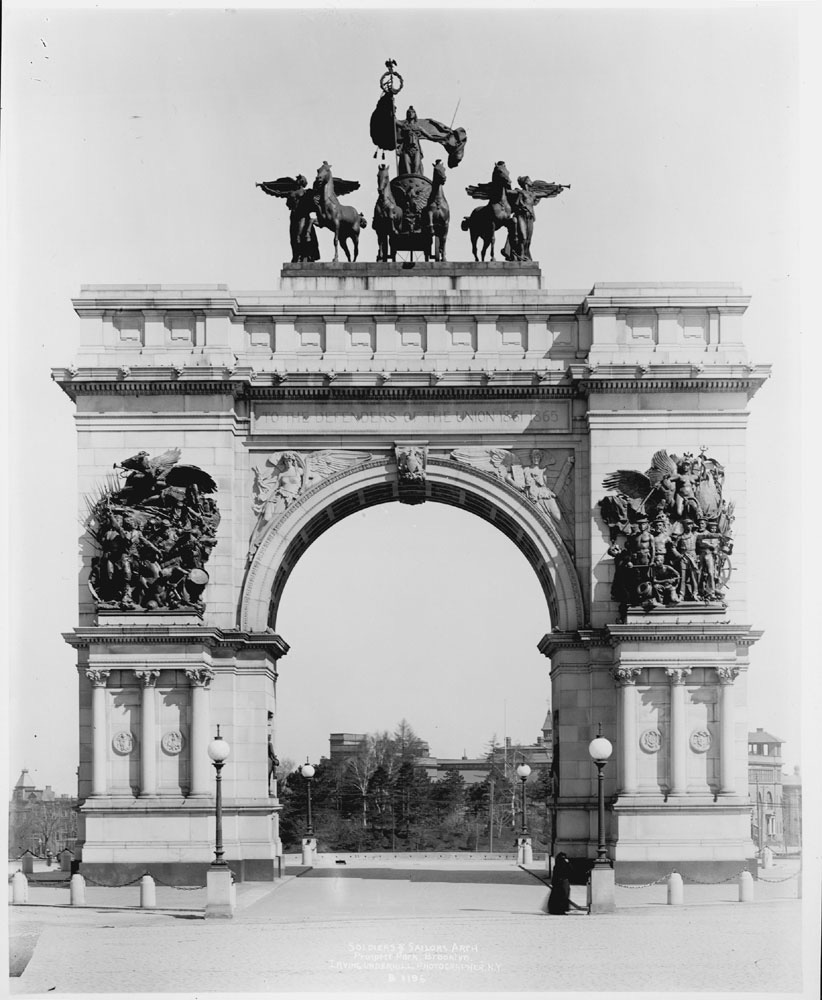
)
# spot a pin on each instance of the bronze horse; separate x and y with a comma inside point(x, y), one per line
point(483, 222)
point(387, 217)
point(343, 220)
point(437, 212)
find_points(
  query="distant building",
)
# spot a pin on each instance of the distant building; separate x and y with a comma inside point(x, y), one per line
point(792, 811)
point(474, 770)
point(39, 819)
point(765, 789)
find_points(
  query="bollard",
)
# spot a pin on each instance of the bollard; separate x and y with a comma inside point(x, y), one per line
point(66, 858)
point(27, 862)
point(746, 887)
point(675, 889)
point(77, 890)
point(148, 893)
point(767, 858)
point(19, 889)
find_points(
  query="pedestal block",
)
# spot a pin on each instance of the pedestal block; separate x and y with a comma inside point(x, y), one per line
point(221, 895)
point(602, 890)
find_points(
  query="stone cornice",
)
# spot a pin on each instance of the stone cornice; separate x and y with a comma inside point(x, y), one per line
point(316, 386)
point(246, 383)
point(741, 635)
point(209, 636)
point(614, 635)
point(745, 380)
point(578, 639)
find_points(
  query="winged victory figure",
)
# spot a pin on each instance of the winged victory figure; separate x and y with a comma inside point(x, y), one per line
point(286, 475)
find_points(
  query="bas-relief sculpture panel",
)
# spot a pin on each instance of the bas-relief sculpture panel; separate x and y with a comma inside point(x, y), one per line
point(670, 532)
point(543, 477)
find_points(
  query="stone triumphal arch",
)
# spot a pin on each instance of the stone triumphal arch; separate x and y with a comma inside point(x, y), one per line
point(603, 432)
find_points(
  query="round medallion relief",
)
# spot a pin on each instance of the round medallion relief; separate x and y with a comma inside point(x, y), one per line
point(701, 740)
point(123, 743)
point(172, 742)
point(651, 741)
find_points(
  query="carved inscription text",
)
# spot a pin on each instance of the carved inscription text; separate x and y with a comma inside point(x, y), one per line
point(432, 418)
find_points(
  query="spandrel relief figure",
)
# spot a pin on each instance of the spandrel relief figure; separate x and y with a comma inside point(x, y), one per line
point(155, 529)
point(690, 531)
point(542, 477)
point(286, 475)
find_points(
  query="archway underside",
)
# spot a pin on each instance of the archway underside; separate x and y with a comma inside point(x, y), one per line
point(387, 492)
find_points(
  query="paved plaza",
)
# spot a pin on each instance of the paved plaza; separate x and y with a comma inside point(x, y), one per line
point(472, 928)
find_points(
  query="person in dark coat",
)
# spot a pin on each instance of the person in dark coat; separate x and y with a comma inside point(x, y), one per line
point(559, 902)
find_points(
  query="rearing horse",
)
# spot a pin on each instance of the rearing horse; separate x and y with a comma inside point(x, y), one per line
point(437, 212)
point(387, 216)
point(343, 220)
point(483, 222)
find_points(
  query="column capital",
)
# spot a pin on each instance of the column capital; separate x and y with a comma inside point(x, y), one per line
point(678, 675)
point(624, 676)
point(727, 675)
point(147, 677)
point(200, 676)
point(98, 677)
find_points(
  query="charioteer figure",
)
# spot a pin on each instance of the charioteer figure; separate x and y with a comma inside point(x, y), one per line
point(411, 209)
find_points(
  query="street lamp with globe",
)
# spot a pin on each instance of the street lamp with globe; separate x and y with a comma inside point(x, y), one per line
point(525, 854)
point(307, 771)
point(309, 844)
point(218, 751)
point(600, 750)
point(220, 894)
point(523, 770)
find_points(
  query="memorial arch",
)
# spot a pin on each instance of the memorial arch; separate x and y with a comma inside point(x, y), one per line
point(246, 424)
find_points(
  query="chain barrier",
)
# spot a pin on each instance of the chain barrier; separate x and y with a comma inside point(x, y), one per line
point(182, 888)
point(644, 885)
point(690, 880)
point(108, 885)
point(136, 881)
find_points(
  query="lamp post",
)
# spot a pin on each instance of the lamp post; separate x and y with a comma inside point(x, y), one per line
point(525, 855)
point(600, 750)
point(218, 751)
point(307, 771)
point(601, 887)
point(309, 844)
point(220, 893)
point(523, 770)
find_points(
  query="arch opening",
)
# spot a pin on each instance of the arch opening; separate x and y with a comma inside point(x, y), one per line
point(474, 492)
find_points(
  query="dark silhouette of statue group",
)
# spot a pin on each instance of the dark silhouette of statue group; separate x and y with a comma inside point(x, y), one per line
point(411, 213)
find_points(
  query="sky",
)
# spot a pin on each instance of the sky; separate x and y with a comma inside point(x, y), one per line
point(132, 142)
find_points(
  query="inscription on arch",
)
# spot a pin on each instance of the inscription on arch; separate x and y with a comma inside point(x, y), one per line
point(545, 416)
